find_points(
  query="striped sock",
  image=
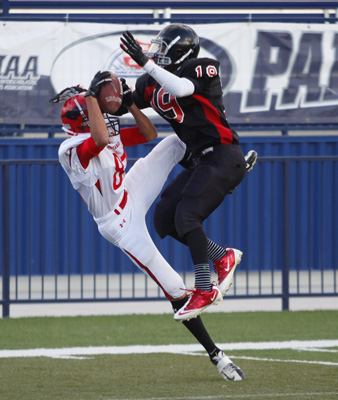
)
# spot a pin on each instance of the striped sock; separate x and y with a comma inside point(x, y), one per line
point(203, 277)
point(215, 252)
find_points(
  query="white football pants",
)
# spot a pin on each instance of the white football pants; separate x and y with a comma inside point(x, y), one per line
point(126, 228)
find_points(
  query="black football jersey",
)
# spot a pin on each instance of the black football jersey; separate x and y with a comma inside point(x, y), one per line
point(199, 119)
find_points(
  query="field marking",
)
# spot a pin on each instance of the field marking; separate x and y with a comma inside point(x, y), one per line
point(319, 350)
point(172, 348)
point(335, 364)
point(287, 361)
point(240, 396)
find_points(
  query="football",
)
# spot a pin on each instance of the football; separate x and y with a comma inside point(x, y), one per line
point(110, 95)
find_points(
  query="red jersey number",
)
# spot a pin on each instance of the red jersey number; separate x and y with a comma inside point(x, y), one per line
point(167, 105)
point(118, 175)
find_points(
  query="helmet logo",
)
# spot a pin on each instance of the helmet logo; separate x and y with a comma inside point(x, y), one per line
point(73, 115)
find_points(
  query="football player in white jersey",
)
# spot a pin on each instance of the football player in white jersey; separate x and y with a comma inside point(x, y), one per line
point(94, 159)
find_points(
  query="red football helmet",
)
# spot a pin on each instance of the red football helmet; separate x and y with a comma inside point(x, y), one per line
point(74, 115)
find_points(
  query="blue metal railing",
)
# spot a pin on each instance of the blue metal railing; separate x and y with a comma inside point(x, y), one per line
point(10, 130)
point(170, 11)
point(294, 199)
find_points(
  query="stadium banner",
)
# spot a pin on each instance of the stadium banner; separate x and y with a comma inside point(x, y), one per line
point(271, 73)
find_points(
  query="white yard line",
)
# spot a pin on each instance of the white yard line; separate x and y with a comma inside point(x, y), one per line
point(286, 361)
point(321, 396)
point(172, 348)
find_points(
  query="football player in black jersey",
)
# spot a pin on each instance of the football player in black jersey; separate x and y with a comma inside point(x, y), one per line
point(186, 91)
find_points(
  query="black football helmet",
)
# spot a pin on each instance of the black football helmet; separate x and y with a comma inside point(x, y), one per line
point(174, 44)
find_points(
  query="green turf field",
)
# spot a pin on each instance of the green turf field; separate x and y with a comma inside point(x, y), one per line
point(82, 357)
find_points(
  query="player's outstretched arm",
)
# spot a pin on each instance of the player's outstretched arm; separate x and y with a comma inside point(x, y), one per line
point(179, 87)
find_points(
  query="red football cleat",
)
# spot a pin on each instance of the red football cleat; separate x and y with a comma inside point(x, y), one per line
point(197, 302)
point(225, 269)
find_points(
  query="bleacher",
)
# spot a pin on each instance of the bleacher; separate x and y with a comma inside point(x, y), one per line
point(170, 11)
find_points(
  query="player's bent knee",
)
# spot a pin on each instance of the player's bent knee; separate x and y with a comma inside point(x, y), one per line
point(186, 220)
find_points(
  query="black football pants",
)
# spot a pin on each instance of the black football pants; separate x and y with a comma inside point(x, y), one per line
point(194, 194)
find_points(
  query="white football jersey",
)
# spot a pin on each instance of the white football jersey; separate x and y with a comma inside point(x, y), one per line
point(101, 184)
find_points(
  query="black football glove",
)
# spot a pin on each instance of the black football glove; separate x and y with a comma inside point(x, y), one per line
point(67, 93)
point(127, 100)
point(98, 80)
point(131, 47)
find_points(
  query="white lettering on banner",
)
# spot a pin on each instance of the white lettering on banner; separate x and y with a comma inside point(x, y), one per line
point(295, 70)
point(16, 74)
point(266, 69)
